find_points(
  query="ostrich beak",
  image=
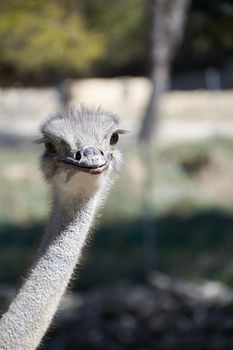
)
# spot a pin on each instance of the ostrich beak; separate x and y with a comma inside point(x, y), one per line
point(88, 159)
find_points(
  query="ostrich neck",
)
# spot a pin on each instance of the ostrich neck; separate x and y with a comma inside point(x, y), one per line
point(30, 314)
point(71, 218)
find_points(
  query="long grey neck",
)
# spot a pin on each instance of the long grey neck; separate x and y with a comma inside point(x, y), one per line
point(30, 314)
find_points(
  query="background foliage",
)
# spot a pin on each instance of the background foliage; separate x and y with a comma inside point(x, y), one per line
point(41, 42)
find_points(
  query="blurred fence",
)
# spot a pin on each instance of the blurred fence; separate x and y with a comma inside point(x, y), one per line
point(185, 115)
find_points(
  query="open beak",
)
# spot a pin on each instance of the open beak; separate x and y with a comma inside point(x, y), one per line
point(89, 159)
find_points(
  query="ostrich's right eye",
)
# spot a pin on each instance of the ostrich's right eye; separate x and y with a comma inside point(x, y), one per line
point(114, 138)
point(50, 147)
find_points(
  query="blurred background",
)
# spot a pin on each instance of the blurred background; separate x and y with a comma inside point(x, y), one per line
point(159, 271)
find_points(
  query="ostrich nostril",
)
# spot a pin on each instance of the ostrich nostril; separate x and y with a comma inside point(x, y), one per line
point(78, 155)
point(102, 153)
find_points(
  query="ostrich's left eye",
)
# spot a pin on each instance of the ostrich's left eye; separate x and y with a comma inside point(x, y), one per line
point(50, 147)
point(114, 138)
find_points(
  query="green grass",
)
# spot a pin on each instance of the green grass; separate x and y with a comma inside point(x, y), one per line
point(24, 195)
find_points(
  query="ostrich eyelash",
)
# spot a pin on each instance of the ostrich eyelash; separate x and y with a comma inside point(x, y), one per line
point(40, 140)
point(121, 131)
point(46, 139)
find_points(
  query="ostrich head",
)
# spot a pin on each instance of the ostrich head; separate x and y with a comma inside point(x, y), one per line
point(80, 149)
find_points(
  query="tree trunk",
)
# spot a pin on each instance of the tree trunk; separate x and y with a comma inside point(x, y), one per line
point(167, 28)
point(168, 18)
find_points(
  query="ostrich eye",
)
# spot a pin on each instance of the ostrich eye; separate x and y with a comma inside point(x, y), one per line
point(50, 147)
point(114, 138)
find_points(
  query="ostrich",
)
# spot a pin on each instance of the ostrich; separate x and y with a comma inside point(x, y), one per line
point(79, 163)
